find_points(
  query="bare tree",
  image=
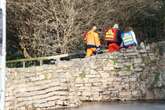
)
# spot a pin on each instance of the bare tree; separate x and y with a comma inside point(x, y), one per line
point(50, 27)
point(47, 27)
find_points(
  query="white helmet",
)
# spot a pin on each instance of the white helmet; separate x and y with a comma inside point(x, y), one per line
point(116, 26)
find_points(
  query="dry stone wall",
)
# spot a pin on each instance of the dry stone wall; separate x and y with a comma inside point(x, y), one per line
point(130, 74)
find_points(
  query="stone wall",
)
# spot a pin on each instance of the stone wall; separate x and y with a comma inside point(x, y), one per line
point(127, 75)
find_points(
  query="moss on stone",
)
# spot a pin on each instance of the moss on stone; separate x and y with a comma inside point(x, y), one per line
point(156, 79)
point(82, 75)
point(146, 60)
point(128, 67)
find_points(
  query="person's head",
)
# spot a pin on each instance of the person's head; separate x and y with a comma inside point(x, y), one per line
point(109, 27)
point(93, 28)
point(130, 28)
point(116, 26)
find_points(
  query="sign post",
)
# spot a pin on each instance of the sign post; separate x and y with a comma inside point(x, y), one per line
point(2, 52)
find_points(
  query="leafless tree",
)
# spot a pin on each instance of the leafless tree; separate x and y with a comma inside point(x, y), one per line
point(50, 27)
point(47, 27)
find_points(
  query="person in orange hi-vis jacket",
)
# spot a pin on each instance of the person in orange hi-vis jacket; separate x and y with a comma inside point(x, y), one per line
point(92, 41)
point(113, 39)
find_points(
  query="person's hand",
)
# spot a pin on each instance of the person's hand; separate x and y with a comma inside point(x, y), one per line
point(98, 50)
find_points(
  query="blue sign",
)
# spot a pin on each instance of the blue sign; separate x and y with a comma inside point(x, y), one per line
point(128, 39)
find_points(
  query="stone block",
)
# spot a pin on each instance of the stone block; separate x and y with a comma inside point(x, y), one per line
point(79, 85)
point(138, 60)
point(88, 84)
point(92, 76)
point(136, 93)
point(97, 84)
point(138, 69)
point(108, 68)
point(86, 93)
point(125, 73)
point(131, 54)
point(133, 79)
point(125, 94)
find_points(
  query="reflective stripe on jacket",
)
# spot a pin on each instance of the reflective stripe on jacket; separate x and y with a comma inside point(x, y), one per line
point(111, 35)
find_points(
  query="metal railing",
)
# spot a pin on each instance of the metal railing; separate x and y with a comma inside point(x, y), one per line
point(56, 58)
point(42, 59)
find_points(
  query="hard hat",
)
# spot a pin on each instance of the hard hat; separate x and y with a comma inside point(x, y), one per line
point(116, 26)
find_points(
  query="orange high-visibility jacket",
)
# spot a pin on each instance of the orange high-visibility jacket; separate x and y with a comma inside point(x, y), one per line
point(110, 35)
point(92, 38)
